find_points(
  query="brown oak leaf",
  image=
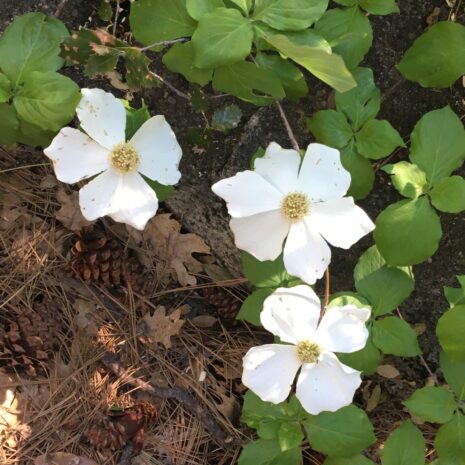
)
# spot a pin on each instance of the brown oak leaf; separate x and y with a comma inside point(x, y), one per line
point(160, 327)
point(70, 213)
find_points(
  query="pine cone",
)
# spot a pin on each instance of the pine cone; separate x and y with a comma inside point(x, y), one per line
point(116, 428)
point(227, 305)
point(25, 342)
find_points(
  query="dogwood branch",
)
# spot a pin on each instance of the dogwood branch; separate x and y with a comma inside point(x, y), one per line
point(163, 44)
point(289, 130)
point(170, 86)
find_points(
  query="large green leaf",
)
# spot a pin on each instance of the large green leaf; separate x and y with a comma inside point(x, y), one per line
point(454, 295)
point(406, 446)
point(264, 274)
point(377, 139)
point(438, 144)
point(454, 372)
point(365, 360)
point(394, 336)
point(362, 103)
point(47, 100)
point(431, 403)
point(248, 82)
point(330, 68)
point(450, 441)
point(342, 433)
point(330, 128)
point(268, 452)
point(289, 15)
point(361, 172)
point(437, 58)
point(159, 20)
point(31, 134)
point(450, 330)
point(408, 232)
point(199, 8)
point(354, 460)
point(349, 33)
point(252, 306)
point(31, 43)
point(448, 194)
point(222, 37)
point(244, 5)
point(379, 7)
point(9, 125)
point(5, 88)
point(407, 178)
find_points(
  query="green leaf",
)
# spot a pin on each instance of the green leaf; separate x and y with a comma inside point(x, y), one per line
point(135, 118)
point(292, 79)
point(222, 37)
point(436, 58)
point(162, 192)
point(406, 446)
point(408, 232)
point(354, 460)
point(329, 68)
point(377, 139)
point(31, 43)
point(199, 8)
point(264, 274)
point(248, 82)
point(244, 5)
point(5, 88)
point(226, 118)
point(394, 336)
point(456, 296)
point(290, 435)
point(450, 441)
point(9, 125)
point(289, 15)
point(267, 452)
point(180, 59)
point(138, 74)
point(407, 178)
point(47, 100)
point(330, 128)
point(31, 134)
point(369, 262)
point(450, 330)
point(252, 306)
point(448, 194)
point(102, 62)
point(434, 404)
point(105, 12)
point(361, 172)
point(438, 144)
point(365, 360)
point(342, 433)
point(361, 103)
point(340, 299)
point(349, 33)
point(379, 7)
point(159, 20)
point(454, 373)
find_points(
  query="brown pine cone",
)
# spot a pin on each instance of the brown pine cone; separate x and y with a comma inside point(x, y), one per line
point(227, 305)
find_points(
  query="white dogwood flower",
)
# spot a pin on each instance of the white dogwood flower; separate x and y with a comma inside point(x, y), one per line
point(323, 383)
point(303, 201)
point(118, 190)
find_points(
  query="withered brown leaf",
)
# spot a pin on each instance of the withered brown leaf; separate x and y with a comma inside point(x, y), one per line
point(160, 327)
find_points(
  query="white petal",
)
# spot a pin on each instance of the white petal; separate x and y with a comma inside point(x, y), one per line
point(291, 313)
point(75, 156)
point(159, 151)
point(247, 193)
point(306, 254)
point(135, 201)
point(270, 370)
point(102, 116)
point(342, 329)
point(261, 235)
point(280, 167)
point(97, 198)
point(326, 386)
point(322, 175)
point(340, 221)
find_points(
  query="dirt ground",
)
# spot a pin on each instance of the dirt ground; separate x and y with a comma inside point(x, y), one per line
point(200, 212)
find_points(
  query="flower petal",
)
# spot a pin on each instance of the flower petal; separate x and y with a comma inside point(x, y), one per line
point(306, 254)
point(75, 156)
point(261, 235)
point(159, 151)
point(102, 116)
point(135, 201)
point(327, 385)
point(247, 193)
point(322, 176)
point(342, 329)
point(340, 221)
point(270, 370)
point(291, 313)
point(280, 167)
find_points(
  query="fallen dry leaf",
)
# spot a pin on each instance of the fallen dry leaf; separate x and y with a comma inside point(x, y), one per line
point(63, 458)
point(204, 321)
point(374, 398)
point(84, 319)
point(70, 213)
point(12, 210)
point(388, 371)
point(160, 327)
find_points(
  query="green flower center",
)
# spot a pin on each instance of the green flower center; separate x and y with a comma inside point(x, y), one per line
point(308, 351)
point(295, 206)
point(124, 157)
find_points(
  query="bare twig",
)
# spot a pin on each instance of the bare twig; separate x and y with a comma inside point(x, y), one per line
point(163, 43)
point(113, 364)
point(115, 22)
point(290, 133)
point(60, 8)
point(170, 86)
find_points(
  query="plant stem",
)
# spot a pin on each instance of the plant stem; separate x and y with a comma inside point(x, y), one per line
point(60, 8)
point(115, 22)
point(289, 130)
point(170, 86)
point(163, 43)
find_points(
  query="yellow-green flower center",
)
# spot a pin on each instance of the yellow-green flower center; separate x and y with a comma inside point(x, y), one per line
point(308, 351)
point(295, 206)
point(124, 157)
